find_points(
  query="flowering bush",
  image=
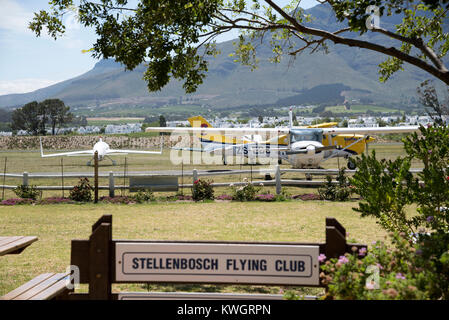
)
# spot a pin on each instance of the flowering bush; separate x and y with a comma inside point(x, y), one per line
point(14, 201)
point(223, 197)
point(202, 190)
point(26, 192)
point(307, 196)
point(383, 272)
point(184, 197)
point(55, 200)
point(119, 199)
point(82, 192)
point(266, 197)
point(246, 192)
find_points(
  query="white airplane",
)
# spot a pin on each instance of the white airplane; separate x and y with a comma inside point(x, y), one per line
point(301, 147)
point(103, 149)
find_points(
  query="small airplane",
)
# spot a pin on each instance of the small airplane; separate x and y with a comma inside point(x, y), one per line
point(103, 149)
point(302, 147)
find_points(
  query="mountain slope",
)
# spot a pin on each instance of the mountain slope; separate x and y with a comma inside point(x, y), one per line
point(229, 84)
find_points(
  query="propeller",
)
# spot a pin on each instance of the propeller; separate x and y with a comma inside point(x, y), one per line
point(311, 149)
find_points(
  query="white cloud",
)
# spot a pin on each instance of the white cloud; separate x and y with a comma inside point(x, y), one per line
point(23, 85)
point(13, 17)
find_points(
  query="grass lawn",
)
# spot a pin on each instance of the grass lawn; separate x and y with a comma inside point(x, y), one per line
point(57, 225)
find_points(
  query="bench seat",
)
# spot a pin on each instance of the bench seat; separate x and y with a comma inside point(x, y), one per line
point(15, 245)
point(44, 287)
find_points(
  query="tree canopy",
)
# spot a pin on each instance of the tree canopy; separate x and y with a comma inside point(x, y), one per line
point(34, 116)
point(174, 38)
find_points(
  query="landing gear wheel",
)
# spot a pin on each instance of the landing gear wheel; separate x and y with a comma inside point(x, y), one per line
point(351, 165)
point(279, 161)
point(308, 177)
point(268, 177)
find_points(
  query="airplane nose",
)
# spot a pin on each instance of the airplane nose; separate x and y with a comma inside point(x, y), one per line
point(310, 150)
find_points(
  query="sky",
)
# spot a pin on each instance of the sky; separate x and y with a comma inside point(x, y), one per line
point(28, 63)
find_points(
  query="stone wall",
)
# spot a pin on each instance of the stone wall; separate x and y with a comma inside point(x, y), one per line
point(85, 142)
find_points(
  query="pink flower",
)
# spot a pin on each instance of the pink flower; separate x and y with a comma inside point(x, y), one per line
point(362, 252)
point(370, 286)
point(400, 276)
point(343, 260)
point(321, 257)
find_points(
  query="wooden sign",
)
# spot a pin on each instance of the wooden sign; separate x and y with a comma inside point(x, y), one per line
point(217, 263)
point(153, 183)
point(103, 261)
point(199, 296)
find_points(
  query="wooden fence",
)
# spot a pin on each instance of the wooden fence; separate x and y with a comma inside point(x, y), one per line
point(193, 174)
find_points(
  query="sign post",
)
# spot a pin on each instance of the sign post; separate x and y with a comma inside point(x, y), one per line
point(103, 261)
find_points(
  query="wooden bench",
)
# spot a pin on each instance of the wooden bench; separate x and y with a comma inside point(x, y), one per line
point(44, 287)
point(15, 245)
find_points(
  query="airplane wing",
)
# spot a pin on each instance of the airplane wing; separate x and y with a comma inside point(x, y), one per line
point(371, 130)
point(74, 153)
point(190, 149)
point(61, 154)
point(222, 131)
point(322, 125)
point(122, 151)
point(118, 152)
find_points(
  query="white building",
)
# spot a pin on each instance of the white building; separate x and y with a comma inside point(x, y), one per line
point(123, 128)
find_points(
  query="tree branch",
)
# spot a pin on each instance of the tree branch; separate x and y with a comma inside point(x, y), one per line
point(441, 74)
point(418, 43)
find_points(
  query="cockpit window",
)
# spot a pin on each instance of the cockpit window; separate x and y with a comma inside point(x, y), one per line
point(306, 135)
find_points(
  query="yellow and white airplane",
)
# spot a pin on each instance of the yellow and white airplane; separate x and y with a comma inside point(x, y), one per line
point(302, 147)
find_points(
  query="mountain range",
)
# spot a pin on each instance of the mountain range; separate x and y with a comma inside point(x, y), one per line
point(108, 88)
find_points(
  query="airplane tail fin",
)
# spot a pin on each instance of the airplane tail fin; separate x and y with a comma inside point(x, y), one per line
point(290, 114)
point(42, 150)
point(199, 121)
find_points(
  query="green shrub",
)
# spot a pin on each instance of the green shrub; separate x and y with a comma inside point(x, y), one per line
point(246, 192)
point(336, 192)
point(26, 192)
point(144, 196)
point(416, 264)
point(82, 192)
point(202, 190)
point(388, 187)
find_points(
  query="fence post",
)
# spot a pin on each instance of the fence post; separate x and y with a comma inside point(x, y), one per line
point(111, 184)
point(278, 180)
point(195, 175)
point(25, 178)
point(96, 177)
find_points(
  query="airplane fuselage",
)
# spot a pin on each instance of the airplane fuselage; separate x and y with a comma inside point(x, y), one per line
point(102, 148)
point(346, 145)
